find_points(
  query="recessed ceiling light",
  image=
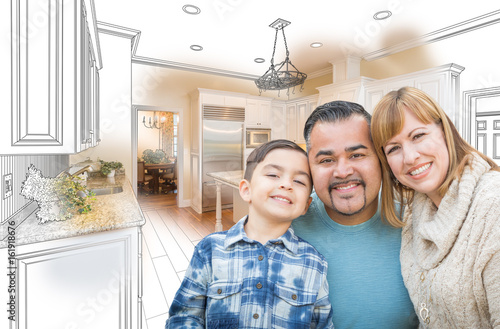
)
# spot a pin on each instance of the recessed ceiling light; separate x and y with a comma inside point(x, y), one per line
point(259, 60)
point(196, 48)
point(384, 14)
point(190, 9)
point(316, 44)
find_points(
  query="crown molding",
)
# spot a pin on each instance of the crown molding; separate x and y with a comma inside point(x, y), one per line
point(320, 73)
point(122, 32)
point(447, 32)
point(192, 68)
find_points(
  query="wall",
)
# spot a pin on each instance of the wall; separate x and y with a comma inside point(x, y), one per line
point(147, 138)
point(49, 165)
point(478, 51)
point(115, 104)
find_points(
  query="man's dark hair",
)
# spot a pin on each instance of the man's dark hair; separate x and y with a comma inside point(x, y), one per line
point(333, 112)
point(258, 155)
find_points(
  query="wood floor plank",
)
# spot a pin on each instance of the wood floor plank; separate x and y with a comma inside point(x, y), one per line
point(175, 231)
point(169, 280)
point(158, 322)
point(180, 237)
point(155, 246)
point(195, 221)
point(185, 224)
point(173, 250)
point(153, 298)
point(143, 319)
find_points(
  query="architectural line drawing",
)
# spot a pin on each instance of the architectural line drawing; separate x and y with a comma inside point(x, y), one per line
point(77, 73)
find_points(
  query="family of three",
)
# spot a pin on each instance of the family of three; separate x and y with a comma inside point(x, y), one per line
point(402, 229)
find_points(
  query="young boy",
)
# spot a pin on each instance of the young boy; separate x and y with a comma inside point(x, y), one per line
point(259, 274)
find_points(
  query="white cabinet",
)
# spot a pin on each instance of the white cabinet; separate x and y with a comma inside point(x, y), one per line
point(87, 281)
point(278, 120)
point(258, 113)
point(351, 90)
point(54, 79)
point(221, 98)
point(297, 113)
point(441, 83)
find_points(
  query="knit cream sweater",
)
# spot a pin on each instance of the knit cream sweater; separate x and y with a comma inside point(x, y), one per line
point(450, 256)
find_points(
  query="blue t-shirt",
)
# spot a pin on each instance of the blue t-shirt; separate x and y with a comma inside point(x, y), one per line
point(364, 271)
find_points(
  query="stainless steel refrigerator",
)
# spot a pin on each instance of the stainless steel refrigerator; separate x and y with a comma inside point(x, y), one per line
point(222, 151)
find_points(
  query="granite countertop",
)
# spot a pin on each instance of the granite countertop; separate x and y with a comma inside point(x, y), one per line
point(231, 178)
point(109, 212)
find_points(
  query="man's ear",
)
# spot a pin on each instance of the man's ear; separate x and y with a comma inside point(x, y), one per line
point(307, 205)
point(245, 190)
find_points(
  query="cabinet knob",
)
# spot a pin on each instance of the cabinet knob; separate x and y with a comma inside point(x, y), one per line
point(91, 132)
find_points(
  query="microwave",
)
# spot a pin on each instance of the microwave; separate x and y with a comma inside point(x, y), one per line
point(256, 137)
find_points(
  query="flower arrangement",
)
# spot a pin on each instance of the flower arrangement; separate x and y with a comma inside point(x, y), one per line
point(151, 156)
point(58, 198)
point(108, 167)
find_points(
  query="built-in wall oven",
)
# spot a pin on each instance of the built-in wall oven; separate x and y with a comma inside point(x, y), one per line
point(257, 136)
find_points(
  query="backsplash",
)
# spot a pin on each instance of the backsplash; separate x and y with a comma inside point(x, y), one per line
point(17, 165)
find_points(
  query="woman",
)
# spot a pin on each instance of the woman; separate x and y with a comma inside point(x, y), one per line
point(450, 193)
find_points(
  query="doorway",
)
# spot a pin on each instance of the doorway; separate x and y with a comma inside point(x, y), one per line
point(482, 121)
point(157, 133)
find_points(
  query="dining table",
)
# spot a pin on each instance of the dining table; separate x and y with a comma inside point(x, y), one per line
point(154, 170)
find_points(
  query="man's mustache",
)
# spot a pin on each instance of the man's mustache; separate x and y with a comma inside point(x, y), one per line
point(347, 182)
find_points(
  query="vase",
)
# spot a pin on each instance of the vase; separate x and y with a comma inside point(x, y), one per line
point(111, 174)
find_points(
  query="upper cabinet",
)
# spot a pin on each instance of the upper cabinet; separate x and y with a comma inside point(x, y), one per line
point(441, 83)
point(258, 113)
point(278, 120)
point(297, 113)
point(55, 79)
point(351, 90)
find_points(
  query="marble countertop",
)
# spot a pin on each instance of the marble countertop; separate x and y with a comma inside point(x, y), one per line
point(231, 178)
point(109, 212)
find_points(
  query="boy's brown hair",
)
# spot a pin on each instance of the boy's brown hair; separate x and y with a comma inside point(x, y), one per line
point(258, 155)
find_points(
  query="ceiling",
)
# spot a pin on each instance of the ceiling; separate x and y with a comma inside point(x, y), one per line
point(235, 32)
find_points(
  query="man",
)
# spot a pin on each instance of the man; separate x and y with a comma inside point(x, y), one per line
point(343, 222)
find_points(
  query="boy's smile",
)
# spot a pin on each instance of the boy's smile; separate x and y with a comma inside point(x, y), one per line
point(280, 187)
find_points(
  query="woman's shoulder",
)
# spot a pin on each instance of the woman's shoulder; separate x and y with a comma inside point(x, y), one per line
point(488, 186)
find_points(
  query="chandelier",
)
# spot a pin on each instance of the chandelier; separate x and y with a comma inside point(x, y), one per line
point(155, 123)
point(283, 75)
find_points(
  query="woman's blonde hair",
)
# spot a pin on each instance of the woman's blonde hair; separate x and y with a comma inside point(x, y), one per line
point(388, 120)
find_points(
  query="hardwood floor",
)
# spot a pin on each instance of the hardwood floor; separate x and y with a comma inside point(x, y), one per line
point(169, 237)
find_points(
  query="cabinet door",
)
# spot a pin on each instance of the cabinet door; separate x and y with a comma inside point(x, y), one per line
point(257, 114)
point(252, 114)
point(302, 115)
point(278, 122)
point(291, 122)
point(50, 77)
point(265, 114)
point(372, 96)
point(82, 282)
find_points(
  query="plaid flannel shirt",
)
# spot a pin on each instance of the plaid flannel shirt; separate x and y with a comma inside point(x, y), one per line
point(235, 282)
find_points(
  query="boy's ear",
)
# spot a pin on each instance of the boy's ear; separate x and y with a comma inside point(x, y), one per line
point(245, 191)
point(307, 205)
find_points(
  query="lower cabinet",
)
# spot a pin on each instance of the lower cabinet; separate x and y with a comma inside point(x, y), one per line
point(89, 281)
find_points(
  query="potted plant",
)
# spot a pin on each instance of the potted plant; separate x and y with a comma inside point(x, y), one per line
point(151, 156)
point(109, 168)
point(58, 198)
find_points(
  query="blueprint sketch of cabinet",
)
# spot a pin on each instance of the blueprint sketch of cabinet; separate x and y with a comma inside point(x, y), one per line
point(55, 79)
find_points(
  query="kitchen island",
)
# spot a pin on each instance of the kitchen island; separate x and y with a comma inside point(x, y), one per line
point(240, 207)
point(84, 272)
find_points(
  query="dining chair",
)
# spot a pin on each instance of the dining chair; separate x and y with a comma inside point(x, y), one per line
point(143, 179)
point(169, 178)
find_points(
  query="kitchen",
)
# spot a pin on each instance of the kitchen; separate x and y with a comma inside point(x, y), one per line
point(130, 79)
